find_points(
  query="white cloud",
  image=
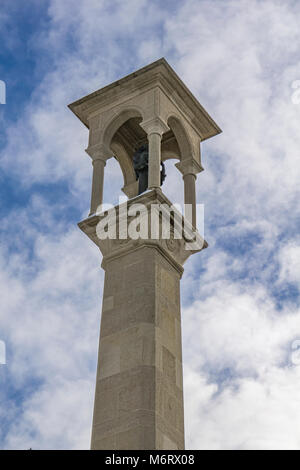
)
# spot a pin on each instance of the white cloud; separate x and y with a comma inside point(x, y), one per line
point(50, 321)
point(239, 58)
point(258, 414)
point(57, 416)
point(2, 352)
point(289, 257)
point(240, 381)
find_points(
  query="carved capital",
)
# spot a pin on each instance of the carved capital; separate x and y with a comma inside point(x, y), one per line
point(99, 152)
point(175, 249)
point(154, 126)
point(189, 166)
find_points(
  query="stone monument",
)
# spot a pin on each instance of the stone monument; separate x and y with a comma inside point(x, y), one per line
point(139, 387)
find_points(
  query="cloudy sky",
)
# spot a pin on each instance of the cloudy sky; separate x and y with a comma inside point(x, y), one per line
point(240, 297)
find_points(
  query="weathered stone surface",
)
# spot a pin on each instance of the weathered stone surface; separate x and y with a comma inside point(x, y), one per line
point(138, 337)
point(139, 390)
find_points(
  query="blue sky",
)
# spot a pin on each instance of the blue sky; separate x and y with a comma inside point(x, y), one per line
point(240, 297)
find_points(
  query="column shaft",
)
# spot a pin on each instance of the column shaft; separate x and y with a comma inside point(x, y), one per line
point(97, 184)
point(190, 194)
point(139, 391)
point(154, 160)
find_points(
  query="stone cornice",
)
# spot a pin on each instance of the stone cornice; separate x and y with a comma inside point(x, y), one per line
point(158, 73)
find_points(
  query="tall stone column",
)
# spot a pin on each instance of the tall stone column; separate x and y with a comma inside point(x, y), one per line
point(155, 129)
point(139, 390)
point(139, 397)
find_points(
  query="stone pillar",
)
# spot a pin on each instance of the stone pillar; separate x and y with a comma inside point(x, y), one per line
point(139, 389)
point(190, 195)
point(139, 399)
point(155, 129)
point(154, 160)
point(189, 169)
point(99, 156)
point(97, 185)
